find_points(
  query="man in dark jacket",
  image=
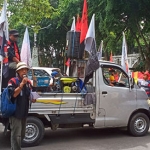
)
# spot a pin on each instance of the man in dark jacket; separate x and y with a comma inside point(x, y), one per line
point(21, 95)
point(13, 56)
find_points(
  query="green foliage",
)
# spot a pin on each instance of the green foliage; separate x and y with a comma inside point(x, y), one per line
point(112, 17)
point(29, 12)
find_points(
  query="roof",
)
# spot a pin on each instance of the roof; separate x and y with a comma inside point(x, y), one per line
point(104, 61)
point(45, 68)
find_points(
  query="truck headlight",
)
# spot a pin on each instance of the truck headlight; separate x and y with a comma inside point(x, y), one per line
point(148, 101)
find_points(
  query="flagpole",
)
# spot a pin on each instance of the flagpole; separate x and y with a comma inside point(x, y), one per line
point(1, 60)
point(3, 16)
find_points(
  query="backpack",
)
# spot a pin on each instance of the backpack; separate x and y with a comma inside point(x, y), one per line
point(7, 106)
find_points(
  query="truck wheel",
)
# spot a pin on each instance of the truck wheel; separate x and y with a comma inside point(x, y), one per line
point(34, 132)
point(138, 124)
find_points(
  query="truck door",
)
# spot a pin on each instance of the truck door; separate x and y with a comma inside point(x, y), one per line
point(116, 98)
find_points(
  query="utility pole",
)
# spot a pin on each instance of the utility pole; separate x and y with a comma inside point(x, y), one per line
point(35, 61)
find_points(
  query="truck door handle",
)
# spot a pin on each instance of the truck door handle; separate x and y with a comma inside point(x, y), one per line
point(104, 92)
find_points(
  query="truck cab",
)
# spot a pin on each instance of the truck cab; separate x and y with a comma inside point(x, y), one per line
point(118, 102)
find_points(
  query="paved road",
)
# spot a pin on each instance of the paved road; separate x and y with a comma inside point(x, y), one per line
point(85, 139)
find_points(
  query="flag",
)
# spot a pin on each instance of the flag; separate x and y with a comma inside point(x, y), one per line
point(124, 58)
point(78, 23)
point(90, 46)
point(99, 52)
point(68, 66)
point(3, 14)
point(25, 50)
point(3, 41)
point(84, 22)
point(84, 28)
point(5, 57)
point(6, 29)
point(3, 21)
point(111, 57)
point(74, 69)
point(90, 36)
point(73, 27)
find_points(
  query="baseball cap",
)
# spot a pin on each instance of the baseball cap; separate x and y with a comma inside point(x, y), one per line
point(13, 32)
point(54, 73)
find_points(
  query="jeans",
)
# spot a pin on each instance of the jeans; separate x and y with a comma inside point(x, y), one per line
point(18, 127)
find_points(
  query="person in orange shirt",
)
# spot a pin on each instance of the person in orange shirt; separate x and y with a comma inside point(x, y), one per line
point(113, 78)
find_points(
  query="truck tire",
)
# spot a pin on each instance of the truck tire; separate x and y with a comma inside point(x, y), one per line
point(34, 132)
point(138, 124)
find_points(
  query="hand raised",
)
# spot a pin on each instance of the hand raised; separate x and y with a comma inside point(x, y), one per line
point(24, 80)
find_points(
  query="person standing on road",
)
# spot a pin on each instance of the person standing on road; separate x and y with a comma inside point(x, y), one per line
point(21, 95)
point(145, 83)
point(13, 56)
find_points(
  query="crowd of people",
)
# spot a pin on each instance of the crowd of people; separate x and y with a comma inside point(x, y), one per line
point(143, 83)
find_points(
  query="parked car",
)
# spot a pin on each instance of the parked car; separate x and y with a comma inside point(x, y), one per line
point(43, 72)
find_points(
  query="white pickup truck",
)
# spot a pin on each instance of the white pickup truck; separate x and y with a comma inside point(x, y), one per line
point(123, 104)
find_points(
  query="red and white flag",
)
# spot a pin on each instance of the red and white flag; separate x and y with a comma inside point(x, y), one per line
point(124, 58)
point(25, 50)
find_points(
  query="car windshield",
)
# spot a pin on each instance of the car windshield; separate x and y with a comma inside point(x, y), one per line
point(43, 73)
point(37, 73)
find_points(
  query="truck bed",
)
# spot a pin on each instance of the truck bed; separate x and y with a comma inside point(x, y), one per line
point(61, 103)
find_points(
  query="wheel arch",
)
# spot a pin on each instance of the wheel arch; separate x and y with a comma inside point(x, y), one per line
point(44, 118)
point(146, 112)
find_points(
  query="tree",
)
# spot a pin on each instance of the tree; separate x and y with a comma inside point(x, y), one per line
point(112, 17)
point(29, 13)
point(133, 17)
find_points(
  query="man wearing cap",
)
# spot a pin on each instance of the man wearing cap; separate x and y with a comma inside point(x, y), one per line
point(13, 55)
point(21, 95)
point(53, 82)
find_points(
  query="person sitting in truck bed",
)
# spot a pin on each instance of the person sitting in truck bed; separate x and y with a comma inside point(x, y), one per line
point(55, 83)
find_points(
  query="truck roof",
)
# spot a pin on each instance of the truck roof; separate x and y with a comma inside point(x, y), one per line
point(108, 62)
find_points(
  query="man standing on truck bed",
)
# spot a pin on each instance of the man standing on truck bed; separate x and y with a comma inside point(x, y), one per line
point(13, 56)
point(21, 94)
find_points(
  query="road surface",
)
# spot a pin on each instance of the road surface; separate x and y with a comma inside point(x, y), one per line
point(84, 139)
